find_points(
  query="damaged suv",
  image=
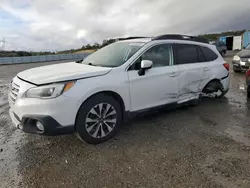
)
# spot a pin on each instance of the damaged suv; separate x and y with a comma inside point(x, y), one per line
point(94, 96)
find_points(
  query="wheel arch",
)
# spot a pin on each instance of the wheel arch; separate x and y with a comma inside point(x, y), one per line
point(213, 80)
point(113, 94)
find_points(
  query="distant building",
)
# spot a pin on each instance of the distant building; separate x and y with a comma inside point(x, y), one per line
point(236, 42)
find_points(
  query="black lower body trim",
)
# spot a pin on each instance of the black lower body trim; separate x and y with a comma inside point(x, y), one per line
point(51, 126)
point(166, 107)
point(225, 77)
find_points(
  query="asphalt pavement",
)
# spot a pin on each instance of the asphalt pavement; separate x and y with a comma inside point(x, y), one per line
point(207, 145)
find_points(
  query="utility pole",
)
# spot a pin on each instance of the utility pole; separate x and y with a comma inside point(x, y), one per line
point(3, 44)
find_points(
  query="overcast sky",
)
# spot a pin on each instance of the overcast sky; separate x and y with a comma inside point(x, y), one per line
point(63, 24)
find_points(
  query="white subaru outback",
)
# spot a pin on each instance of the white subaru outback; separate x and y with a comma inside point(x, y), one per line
point(94, 96)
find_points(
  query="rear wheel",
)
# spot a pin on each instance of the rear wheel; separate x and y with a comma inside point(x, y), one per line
point(98, 119)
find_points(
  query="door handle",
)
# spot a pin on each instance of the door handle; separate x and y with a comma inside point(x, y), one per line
point(205, 68)
point(173, 74)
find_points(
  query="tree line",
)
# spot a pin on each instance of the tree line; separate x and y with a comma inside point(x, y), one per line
point(95, 46)
point(22, 53)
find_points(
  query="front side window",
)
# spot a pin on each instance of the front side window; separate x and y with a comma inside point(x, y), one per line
point(186, 54)
point(113, 55)
point(160, 55)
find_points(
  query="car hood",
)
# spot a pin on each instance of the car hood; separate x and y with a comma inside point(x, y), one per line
point(61, 72)
point(244, 53)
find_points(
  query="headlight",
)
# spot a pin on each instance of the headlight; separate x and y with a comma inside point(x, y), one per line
point(49, 91)
point(236, 58)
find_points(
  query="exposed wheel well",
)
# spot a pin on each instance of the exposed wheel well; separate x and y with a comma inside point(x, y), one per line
point(218, 84)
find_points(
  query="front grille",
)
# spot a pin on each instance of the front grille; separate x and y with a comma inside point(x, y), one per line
point(14, 89)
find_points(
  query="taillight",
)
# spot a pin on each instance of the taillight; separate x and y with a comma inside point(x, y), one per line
point(248, 73)
point(226, 65)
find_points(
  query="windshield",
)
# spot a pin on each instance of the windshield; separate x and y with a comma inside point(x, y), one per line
point(248, 47)
point(113, 55)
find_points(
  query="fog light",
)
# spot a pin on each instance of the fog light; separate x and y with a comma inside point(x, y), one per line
point(20, 126)
point(39, 126)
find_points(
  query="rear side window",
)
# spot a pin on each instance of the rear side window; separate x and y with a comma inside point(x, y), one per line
point(187, 53)
point(200, 55)
point(209, 54)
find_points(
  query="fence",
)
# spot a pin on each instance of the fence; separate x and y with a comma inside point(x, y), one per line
point(42, 58)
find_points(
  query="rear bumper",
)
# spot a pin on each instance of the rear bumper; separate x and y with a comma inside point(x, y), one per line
point(51, 127)
point(225, 81)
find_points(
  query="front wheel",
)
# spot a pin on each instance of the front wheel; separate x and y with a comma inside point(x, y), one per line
point(98, 119)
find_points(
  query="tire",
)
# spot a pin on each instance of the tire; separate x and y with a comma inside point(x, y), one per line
point(248, 92)
point(223, 53)
point(223, 93)
point(91, 127)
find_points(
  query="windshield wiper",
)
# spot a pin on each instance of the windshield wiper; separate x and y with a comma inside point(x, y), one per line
point(91, 64)
point(79, 61)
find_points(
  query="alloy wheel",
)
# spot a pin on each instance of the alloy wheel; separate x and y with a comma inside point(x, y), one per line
point(101, 120)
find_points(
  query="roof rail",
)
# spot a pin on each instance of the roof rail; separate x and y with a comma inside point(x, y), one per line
point(128, 38)
point(181, 37)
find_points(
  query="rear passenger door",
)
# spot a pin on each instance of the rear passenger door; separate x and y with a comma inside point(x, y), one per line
point(191, 64)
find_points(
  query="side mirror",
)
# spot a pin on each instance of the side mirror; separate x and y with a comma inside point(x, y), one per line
point(145, 64)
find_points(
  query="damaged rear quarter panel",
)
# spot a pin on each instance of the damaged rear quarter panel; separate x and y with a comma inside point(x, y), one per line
point(190, 79)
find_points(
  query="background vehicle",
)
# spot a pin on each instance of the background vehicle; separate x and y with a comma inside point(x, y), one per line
point(248, 83)
point(95, 96)
point(221, 47)
point(241, 61)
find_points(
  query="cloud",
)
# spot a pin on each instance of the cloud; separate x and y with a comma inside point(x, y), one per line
point(56, 25)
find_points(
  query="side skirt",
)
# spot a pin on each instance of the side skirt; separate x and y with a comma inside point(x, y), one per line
point(171, 106)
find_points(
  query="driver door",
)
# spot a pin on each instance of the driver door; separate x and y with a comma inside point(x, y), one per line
point(160, 84)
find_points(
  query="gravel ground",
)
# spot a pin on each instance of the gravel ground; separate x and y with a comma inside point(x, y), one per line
point(207, 145)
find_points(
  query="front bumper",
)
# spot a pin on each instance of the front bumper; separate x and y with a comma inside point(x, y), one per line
point(56, 114)
point(241, 65)
point(51, 126)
